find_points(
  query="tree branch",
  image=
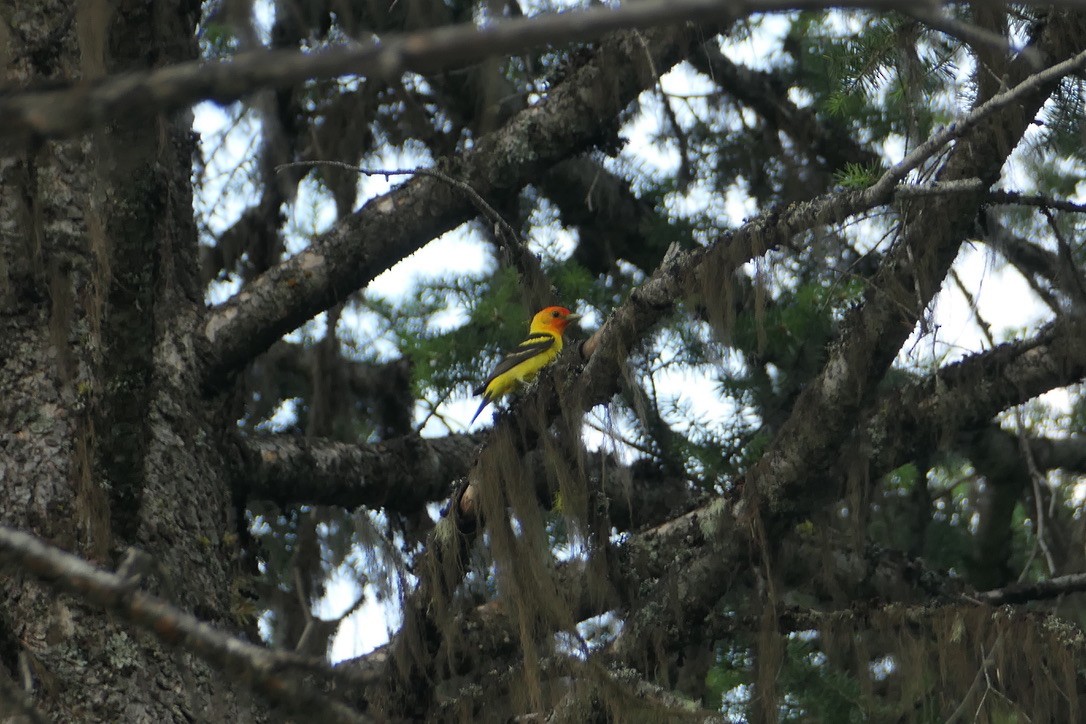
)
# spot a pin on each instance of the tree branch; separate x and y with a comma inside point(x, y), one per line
point(400, 222)
point(971, 392)
point(782, 485)
point(58, 113)
point(696, 557)
point(765, 93)
point(403, 474)
point(1038, 591)
point(907, 281)
point(996, 197)
point(256, 666)
point(1017, 198)
point(612, 222)
point(15, 705)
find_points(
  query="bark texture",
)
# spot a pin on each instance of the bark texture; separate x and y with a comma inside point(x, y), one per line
point(105, 441)
point(557, 584)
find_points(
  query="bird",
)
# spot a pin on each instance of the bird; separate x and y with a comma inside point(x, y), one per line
point(521, 364)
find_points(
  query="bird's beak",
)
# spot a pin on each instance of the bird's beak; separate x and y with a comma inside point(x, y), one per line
point(573, 317)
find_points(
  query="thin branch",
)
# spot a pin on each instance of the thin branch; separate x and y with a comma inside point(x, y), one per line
point(982, 674)
point(1069, 275)
point(996, 197)
point(960, 186)
point(686, 174)
point(1016, 198)
point(1037, 480)
point(66, 112)
point(480, 203)
point(19, 704)
point(1038, 591)
point(525, 261)
point(1060, 453)
point(256, 666)
point(1035, 476)
point(969, 33)
point(767, 95)
point(1029, 85)
point(1039, 266)
point(433, 412)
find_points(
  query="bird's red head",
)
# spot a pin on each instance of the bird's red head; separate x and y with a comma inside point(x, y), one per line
point(554, 319)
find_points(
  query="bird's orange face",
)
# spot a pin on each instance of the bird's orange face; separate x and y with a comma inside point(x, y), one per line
point(556, 318)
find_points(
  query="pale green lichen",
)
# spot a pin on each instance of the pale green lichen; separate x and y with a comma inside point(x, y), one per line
point(121, 651)
point(710, 521)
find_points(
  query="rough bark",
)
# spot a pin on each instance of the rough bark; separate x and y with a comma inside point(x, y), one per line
point(106, 440)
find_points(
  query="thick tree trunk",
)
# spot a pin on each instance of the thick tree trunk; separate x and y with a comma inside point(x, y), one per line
point(105, 440)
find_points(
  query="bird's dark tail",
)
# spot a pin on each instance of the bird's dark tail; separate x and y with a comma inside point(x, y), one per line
point(482, 404)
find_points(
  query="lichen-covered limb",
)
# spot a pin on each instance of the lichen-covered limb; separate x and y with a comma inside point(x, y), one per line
point(264, 670)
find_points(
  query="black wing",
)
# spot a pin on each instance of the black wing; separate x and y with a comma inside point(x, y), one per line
point(532, 345)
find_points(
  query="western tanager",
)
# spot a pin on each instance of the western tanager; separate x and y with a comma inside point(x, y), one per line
point(522, 364)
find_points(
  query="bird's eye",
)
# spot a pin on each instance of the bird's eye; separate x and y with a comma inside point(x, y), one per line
point(556, 314)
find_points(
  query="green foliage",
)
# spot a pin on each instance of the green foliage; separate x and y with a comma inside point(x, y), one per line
point(880, 80)
point(447, 360)
point(788, 322)
point(217, 39)
point(816, 690)
point(878, 73)
point(906, 477)
point(1065, 124)
point(728, 679)
point(452, 360)
point(783, 345)
point(857, 176)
